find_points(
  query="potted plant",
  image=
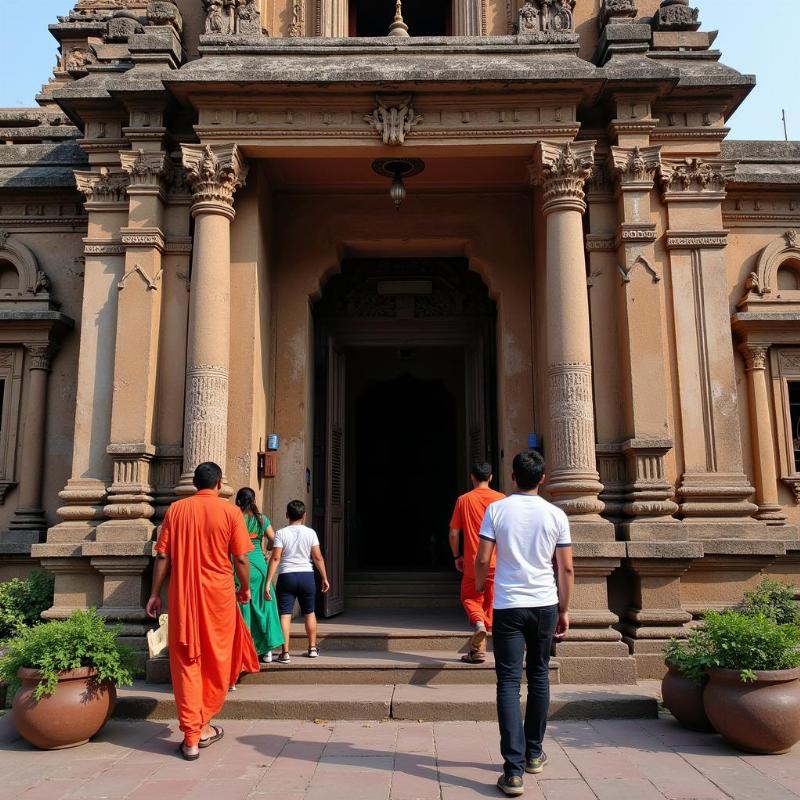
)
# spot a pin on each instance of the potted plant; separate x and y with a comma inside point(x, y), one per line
point(753, 692)
point(66, 672)
point(683, 686)
point(773, 599)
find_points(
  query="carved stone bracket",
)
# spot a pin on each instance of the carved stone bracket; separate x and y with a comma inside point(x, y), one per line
point(102, 186)
point(793, 482)
point(393, 122)
point(562, 172)
point(214, 172)
point(146, 170)
point(634, 168)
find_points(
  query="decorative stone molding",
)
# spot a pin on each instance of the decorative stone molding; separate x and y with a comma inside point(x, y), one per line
point(601, 242)
point(761, 286)
point(794, 484)
point(648, 492)
point(164, 12)
point(33, 282)
point(103, 186)
point(694, 176)
point(617, 11)
point(755, 356)
point(642, 262)
point(545, 16)
point(233, 17)
point(690, 240)
point(214, 172)
point(144, 169)
point(636, 233)
point(206, 426)
point(393, 122)
point(96, 249)
point(562, 172)
point(572, 416)
point(142, 237)
point(150, 283)
point(676, 15)
point(40, 356)
point(634, 168)
point(298, 24)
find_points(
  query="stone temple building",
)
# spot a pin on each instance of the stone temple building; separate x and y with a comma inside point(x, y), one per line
point(345, 247)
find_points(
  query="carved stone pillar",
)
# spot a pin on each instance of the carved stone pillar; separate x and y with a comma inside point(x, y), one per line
point(215, 172)
point(714, 493)
point(649, 506)
point(573, 481)
point(468, 18)
point(28, 523)
point(764, 450)
point(332, 18)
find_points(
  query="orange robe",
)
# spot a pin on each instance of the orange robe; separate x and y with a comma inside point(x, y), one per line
point(209, 643)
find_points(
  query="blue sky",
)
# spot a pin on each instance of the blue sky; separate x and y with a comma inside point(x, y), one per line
point(761, 43)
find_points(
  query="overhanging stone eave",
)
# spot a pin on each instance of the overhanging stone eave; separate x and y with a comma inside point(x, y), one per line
point(768, 326)
point(34, 179)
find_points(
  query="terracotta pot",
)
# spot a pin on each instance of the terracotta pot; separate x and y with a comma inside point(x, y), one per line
point(70, 717)
point(761, 717)
point(684, 699)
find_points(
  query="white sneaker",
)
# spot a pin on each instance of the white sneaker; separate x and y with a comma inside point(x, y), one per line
point(267, 658)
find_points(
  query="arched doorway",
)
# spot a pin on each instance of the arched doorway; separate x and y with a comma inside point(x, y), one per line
point(405, 400)
point(423, 17)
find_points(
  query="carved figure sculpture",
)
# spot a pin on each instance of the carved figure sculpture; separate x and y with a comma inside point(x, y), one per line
point(248, 18)
point(42, 283)
point(549, 16)
point(528, 19)
point(393, 122)
point(216, 19)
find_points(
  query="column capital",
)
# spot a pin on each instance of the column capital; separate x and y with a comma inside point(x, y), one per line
point(215, 172)
point(694, 178)
point(40, 355)
point(102, 186)
point(755, 355)
point(562, 172)
point(145, 169)
point(634, 168)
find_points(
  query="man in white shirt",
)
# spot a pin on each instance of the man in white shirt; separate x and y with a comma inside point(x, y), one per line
point(530, 610)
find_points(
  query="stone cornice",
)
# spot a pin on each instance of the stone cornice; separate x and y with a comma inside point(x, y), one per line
point(143, 238)
point(696, 240)
point(634, 168)
point(562, 171)
point(214, 172)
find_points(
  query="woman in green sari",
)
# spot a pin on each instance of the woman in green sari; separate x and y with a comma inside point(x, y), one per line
point(260, 614)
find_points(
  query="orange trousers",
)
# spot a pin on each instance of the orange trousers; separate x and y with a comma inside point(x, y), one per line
point(478, 605)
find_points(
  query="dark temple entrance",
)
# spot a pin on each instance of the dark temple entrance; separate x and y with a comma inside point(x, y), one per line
point(404, 402)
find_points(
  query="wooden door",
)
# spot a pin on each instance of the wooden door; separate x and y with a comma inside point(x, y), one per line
point(333, 601)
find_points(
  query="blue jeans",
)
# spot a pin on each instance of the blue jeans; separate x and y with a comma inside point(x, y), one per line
point(514, 630)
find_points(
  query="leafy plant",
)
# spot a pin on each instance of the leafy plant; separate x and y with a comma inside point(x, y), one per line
point(750, 643)
point(22, 602)
point(690, 656)
point(83, 640)
point(774, 600)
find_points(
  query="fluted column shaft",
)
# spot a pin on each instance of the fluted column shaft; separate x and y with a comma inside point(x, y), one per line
point(766, 476)
point(574, 485)
point(215, 172)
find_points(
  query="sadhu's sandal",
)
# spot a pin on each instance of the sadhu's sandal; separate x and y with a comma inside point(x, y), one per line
point(187, 756)
point(209, 740)
point(474, 657)
point(478, 639)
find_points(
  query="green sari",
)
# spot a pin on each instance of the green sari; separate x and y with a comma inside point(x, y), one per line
point(260, 614)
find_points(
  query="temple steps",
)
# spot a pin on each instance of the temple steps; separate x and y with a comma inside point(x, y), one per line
point(401, 590)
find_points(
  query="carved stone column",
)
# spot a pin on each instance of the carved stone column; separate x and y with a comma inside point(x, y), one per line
point(764, 450)
point(215, 172)
point(332, 18)
point(648, 506)
point(573, 481)
point(28, 523)
point(468, 18)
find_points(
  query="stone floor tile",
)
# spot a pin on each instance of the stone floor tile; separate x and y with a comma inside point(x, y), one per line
point(351, 784)
point(168, 790)
point(624, 789)
point(415, 738)
point(46, 790)
point(566, 790)
point(415, 777)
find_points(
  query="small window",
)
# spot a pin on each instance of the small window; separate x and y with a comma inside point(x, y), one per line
point(794, 413)
point(9, 276)
point(423, 17)
point(789, 276)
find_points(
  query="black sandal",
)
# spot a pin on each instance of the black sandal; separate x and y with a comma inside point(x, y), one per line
point(209, 740)
point(187, 756)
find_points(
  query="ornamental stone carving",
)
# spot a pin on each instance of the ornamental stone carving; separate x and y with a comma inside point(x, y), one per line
point(617, 11)
point(40, 356)
point(572, 416)
point(676, 15)
point(393, 122)
point(78, 59)
point(233, 17)
point(164, 12)
point(122, 25)
point(636, 167)
point(102, 186)
point(206, 426)
point(562, 172)
point(755, 356)
point(215, 172)
point(144, 168)
point(695, 175)
point(298, 25)
point(545, 16)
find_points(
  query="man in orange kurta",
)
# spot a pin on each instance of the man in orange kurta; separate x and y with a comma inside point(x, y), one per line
point(467, 519)
point(209, 644)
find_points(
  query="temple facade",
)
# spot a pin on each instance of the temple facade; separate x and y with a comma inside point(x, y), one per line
point(344, 248)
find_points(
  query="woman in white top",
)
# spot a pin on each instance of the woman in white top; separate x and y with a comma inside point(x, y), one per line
point(295, 553)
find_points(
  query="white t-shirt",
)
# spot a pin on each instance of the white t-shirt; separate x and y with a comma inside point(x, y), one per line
point(296, 541)
point(526, 529)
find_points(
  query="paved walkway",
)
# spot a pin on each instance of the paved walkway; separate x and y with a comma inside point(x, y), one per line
point(599, 760)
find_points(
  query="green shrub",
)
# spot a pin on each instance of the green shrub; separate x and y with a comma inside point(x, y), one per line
point(774, 600)
point(750, 643)
point(23, 601)
point(690, 656)
point(83, 640)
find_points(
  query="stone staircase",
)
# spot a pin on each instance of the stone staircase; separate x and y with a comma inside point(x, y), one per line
point(383, 663)
point(369, 590)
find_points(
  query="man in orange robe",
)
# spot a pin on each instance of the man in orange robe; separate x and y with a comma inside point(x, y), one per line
point(209, 644)
point(467, 519)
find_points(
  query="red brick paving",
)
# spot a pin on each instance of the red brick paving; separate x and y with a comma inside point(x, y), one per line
point(259, 760)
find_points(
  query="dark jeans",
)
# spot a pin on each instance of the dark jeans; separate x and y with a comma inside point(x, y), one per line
point(514, 630)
